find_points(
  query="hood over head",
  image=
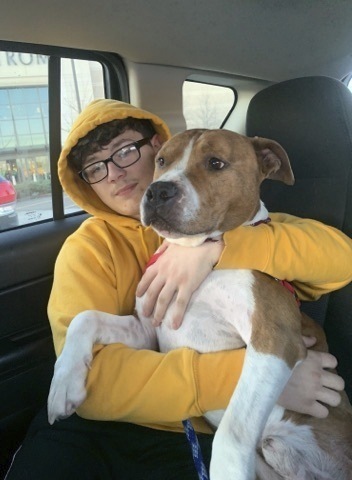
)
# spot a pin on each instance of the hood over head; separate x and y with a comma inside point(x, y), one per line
point(96, 113)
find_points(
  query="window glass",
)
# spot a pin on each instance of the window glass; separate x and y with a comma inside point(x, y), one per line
point(206, 105)
point(6, 128)
point(25, 177)
point(5, 112)
point(81, 82)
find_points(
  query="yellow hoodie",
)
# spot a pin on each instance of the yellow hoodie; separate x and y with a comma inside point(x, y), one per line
point(101, 263)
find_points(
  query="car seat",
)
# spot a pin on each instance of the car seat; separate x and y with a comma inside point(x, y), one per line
point(311, 118)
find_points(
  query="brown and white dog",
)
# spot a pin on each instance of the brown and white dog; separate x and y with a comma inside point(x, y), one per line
point(207, 182)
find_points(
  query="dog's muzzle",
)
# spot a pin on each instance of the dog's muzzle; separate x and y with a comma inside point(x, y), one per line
point(171, 208)
point(160, 193)
point(159, 204)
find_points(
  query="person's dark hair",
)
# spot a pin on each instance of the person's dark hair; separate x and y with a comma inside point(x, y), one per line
point(103, 134)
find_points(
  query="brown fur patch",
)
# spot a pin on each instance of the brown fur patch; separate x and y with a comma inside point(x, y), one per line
point(276, 321)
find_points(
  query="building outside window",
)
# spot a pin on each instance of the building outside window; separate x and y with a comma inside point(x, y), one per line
point(24, 135)
point(24, 123)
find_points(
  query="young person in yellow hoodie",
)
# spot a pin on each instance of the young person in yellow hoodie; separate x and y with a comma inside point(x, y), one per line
point(129, 426)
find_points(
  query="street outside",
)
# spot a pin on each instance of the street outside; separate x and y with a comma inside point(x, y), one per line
point(40, 208)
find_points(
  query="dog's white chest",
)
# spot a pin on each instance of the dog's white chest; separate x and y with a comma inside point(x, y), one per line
point(218, 316)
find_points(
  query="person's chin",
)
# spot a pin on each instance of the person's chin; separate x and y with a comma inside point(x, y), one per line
point(129, 208)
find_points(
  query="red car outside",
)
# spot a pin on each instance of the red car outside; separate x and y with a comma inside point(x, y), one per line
point(8, 215)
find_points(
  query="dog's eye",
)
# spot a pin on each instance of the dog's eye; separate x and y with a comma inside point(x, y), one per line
point(160, 161)
point(216, 163)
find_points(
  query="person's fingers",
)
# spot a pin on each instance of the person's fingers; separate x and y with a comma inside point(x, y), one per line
point(161, 303)
point(323, 359)
point(309, 341)
point(150, 273)
point(318, 410)
point(145, 282)
point(333, 381)
point(328, 360)
point(179, 309)
point(152, 297)
point(329, 397)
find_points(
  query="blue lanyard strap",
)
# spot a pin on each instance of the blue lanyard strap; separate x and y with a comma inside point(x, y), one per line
point(196, 451)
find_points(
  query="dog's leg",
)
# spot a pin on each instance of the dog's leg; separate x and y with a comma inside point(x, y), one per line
point(67, 390)
point(234, 447)
point(274, 349)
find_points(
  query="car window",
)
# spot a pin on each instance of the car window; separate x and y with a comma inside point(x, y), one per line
point(25, 137)
point(206, 105)
point(349, 83)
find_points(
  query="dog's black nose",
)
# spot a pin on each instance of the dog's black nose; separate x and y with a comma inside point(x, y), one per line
point(159, 193)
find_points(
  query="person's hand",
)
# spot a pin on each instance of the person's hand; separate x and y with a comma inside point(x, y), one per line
point(311, 385)
point(177, 273)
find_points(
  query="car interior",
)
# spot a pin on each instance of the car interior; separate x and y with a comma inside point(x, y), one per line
point(284, 68)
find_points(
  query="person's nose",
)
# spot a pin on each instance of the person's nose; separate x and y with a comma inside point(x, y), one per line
point(115, 172)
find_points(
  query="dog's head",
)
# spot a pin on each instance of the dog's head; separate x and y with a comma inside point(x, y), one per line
point(207, 182)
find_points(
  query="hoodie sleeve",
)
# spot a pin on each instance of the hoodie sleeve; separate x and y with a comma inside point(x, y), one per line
point(315, 257)
point(147, 387)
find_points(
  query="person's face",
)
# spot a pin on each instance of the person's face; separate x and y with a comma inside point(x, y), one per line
point(123, 188)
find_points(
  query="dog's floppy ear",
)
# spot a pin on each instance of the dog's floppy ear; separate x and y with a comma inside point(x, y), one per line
point(273, 160)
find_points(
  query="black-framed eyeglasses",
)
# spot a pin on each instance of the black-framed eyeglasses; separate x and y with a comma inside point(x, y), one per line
point(123, 157)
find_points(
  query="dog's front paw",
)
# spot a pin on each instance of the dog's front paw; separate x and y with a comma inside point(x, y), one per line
point(67, 390)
